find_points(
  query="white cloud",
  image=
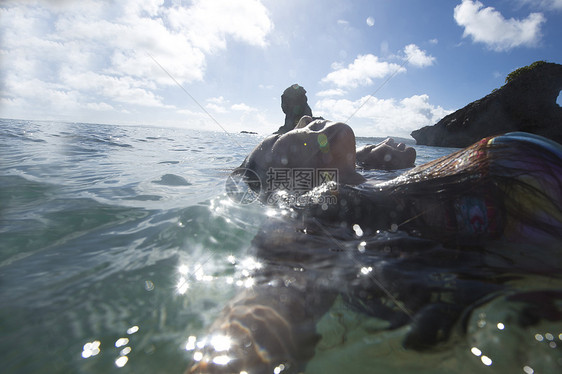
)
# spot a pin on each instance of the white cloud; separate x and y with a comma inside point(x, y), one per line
point(361, 72)
point(488, 26)
point(219, 100)
point(243, 108)
point(125, 90)
point(217, 104)
point(370, 21)
point(208, 23)
point(221, 105)
point(332, 92)
point(381, 117)
point(216, 108)
point(254, 121)
point(417, 57)
point(100, 106)
point(544, 4)
point(337, 65)
point(95, 54)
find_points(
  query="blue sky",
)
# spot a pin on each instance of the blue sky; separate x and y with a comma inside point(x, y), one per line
point(415, 61)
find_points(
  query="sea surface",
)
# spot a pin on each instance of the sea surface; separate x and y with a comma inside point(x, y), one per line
point(119, 247)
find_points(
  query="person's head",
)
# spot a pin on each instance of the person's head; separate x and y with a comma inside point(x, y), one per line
point(314, 146)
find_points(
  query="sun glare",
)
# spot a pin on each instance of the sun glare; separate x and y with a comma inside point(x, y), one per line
point(221, 343)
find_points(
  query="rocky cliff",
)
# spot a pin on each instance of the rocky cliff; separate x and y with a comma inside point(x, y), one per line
point(295, 105)
point(527, 102)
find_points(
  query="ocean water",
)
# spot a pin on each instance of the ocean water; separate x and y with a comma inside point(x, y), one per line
point(119, 247)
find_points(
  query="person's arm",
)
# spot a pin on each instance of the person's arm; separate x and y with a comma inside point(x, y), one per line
point(263, 328)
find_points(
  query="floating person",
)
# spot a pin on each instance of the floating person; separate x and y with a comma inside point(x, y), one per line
point(410, 251)
point(312, 144)
point(321, 144)
point(386, 155)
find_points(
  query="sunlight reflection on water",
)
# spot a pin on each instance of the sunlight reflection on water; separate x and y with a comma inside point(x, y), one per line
point(119, 272)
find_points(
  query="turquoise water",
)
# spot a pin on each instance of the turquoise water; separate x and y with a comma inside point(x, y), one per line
point(119, 247)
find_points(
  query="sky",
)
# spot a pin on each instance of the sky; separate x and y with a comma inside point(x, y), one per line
point(385, 67)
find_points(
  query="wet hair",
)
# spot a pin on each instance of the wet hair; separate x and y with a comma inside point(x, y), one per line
point(483, 192)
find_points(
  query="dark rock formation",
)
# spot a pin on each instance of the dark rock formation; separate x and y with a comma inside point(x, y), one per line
point(248, 132)
point(295, 105)
point(527, 102)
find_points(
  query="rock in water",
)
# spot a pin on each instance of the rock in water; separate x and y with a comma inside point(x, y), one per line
point(295, 105)
point(527, 102)
point(172, 180)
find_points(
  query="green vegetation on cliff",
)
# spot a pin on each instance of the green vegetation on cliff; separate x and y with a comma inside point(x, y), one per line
point(517, 73)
